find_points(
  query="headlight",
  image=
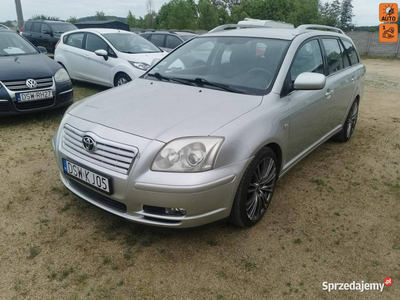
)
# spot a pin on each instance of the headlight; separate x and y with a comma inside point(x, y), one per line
point(61, 75)
point(140, 65)
point(194, 154)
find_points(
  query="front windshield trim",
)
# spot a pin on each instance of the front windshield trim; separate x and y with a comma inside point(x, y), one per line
point(246, 90)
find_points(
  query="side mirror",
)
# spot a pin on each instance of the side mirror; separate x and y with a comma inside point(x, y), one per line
point(155, 61)
point(102, 52)
point(42, 49)
point(310, 81)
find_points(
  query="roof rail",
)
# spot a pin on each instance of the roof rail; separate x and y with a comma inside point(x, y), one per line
point(303, 28)
point(233, 26)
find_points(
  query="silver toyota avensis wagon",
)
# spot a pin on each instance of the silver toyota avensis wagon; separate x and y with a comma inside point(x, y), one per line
point(206, 133)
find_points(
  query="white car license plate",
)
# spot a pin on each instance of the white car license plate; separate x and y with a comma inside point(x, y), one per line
point(32, 96)
point(98, 181)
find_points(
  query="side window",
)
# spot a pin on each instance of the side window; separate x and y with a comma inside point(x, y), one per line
point(93, 43)
point(28, 26)
point(346, 62)
point(158, 39)
point(172, 42)
point(307, 59)
point(335, 62)
point(351, 52)
point(145, 35)
point(75, 40)
point(36, 27)
point(45, 27)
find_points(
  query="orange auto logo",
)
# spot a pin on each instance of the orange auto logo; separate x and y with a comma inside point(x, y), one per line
point(388, 12)
point(388, 33)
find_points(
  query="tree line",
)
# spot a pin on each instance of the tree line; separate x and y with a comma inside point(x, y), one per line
point(207, 14)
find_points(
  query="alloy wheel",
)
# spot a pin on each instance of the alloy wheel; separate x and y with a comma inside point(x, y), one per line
point(261, 188)
point(352, 120)
point(121, 81)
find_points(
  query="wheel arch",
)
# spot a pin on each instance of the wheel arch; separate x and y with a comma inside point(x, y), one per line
point(278, 152)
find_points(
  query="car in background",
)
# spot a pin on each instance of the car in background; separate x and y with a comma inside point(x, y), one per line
point(108, 57)
point(167, 40)
point(29, 80)
point(4, 27)
point(197, 141)
point(45, 33)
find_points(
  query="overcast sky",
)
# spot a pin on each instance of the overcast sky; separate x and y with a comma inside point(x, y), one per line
point(366, 11)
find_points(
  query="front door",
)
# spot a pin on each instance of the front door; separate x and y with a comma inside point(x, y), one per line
point(97, 69)
point(309, 109)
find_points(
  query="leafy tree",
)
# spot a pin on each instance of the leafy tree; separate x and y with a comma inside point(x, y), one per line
point(162, 16)
point(131, 20)
point(176, 17)
point(346, 14)
point(330, 13)
point(72, 20)
point(208, 15)
point(223, 16)
point(100, 16)
point(44, 17)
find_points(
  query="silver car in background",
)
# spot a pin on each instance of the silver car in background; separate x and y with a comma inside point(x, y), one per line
point(205, 134)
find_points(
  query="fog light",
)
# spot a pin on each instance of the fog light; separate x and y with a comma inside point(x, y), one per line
point(175, 211)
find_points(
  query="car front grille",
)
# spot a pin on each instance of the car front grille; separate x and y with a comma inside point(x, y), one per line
point(21, 85)
point(111, 155)
point(97, 197)
point(34, 104)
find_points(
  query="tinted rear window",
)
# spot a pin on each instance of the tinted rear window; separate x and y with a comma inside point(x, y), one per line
point(332, 49)
point(36, 27)
point(28, 26)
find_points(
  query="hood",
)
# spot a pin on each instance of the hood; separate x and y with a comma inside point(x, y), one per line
point(142, 57)
point(164, 111)
point(27, 66)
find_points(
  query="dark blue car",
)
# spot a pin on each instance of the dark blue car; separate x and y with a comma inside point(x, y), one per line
point(29, 80)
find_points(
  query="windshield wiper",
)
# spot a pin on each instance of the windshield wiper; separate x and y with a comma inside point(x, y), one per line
point(161, 78)
point(201, 82)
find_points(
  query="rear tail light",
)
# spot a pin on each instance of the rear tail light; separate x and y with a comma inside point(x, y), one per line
point(22, 29)
point(58, 43)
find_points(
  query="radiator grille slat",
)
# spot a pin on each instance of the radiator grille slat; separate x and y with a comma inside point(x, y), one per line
point(21, 85)
point(108, 154)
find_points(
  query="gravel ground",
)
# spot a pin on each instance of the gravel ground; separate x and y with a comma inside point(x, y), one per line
point(335, 217)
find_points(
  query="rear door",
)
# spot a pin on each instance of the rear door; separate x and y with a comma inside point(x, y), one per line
point(342, 79)
point(73, 52)
point(45, 38)
point(96, 68)
point(309, 116)
point(27, 32)
point(172, 42)
point(35, 32)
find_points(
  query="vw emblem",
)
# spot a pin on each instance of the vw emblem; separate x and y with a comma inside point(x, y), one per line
point(31, 83)
point(88, 143)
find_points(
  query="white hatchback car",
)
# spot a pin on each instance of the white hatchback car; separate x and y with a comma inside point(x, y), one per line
point(108, 57)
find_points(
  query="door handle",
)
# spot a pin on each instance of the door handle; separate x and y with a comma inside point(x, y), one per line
point(328, 93)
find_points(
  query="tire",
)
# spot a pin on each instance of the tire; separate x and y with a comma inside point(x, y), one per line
point(349, 125)
point(121, 79)
point(252, 198)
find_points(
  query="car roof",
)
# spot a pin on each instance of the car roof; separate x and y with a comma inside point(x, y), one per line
point(48, 21)
point(99, 30)
point(273, 33)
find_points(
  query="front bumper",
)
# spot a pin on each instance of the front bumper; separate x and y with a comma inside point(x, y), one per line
point(206, 196)
point(63, 96)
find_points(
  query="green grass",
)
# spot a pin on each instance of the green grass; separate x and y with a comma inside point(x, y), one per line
point(366, 56)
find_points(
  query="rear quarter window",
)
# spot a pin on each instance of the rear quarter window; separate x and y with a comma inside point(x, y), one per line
point(36, 27)
point(28, 26)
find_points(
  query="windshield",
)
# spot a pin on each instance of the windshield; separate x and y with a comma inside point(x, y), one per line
point(62, 27)
point(13, 44)
point(130, 43)
point(242, 64)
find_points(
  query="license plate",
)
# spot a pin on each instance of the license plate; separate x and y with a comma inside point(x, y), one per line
point(33, 96)
point(93, 179)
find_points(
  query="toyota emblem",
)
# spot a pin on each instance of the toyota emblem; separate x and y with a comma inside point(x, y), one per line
point(31, 83)
point(89, 143)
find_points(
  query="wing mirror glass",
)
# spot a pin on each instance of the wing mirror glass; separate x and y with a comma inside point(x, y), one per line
point(42, 49)
point(310, 81)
